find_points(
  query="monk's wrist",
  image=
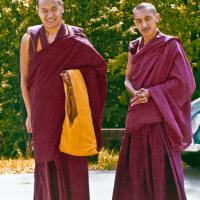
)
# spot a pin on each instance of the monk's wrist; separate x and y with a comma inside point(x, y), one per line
point(134, 93)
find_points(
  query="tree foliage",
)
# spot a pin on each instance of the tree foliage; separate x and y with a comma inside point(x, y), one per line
point(109, 26)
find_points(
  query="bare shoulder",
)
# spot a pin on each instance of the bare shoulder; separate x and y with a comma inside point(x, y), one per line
point(25, 40)
point(24, 50)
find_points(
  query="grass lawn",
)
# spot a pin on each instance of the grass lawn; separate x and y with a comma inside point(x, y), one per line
point(107, 160)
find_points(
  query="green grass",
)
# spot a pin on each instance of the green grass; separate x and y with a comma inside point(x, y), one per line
point(107, 160)
point(15, 166)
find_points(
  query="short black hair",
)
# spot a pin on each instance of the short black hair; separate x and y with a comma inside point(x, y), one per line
point(144, 5)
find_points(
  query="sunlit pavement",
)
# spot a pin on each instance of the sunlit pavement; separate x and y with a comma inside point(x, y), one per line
point(20, 186)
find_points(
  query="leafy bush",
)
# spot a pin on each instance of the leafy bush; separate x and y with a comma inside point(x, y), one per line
point(109, 26)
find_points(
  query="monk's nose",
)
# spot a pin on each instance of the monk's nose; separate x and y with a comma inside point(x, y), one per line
point(144, 24)
point(49, 15)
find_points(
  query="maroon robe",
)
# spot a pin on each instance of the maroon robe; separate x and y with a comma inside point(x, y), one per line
point(57, 175)
point(150, 163)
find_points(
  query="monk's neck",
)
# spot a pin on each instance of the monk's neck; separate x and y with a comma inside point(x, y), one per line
point(53, 31)
point(148, 39)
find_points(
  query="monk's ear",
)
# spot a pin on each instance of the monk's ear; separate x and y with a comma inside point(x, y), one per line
point(62, 6)
point(37, 9)
point(157, 17)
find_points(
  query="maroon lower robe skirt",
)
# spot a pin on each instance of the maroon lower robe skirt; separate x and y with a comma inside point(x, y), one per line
point(65, 178)
point(144, 171)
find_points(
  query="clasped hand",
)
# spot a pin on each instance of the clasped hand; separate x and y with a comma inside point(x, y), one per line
point(140, 96)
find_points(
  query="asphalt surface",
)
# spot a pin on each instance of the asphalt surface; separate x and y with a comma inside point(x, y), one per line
point(20, 186)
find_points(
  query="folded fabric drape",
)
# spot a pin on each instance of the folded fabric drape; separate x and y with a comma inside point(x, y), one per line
point(70, 103)
point(78, 135)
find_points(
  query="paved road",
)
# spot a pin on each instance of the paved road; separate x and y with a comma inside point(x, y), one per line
point(20, 186)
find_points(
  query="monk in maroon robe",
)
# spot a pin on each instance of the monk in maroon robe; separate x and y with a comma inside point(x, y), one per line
point(47, 50)
point(158, 122)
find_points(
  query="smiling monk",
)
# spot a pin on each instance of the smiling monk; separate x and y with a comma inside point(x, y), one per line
point(46, 51)
point(158, 122)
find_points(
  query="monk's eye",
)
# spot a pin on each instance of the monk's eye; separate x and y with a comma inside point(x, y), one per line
point(54, 9)
point(148, 19)
point(44, 12)
point(138, 21)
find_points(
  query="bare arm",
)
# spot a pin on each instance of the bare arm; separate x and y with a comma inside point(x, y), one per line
point(139, 96)
point(127, 82)
point(24, 64)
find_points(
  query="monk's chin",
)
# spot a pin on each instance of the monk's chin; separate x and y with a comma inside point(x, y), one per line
point(51, 25)
point(147, 32)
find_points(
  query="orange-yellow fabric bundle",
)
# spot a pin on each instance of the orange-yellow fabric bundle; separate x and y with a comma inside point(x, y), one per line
point(78, 135)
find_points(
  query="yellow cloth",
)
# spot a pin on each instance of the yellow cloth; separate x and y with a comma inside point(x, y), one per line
point(78, 137)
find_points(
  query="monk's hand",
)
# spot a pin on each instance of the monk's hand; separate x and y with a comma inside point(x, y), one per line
point(145, 93)
point(135, 96)
point(141, 96)
point(28, 124)
point(65, 76)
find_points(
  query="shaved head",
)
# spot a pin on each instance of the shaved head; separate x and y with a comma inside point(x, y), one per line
point(145, 20)
point(50, 13)
point(143, 6)
point(59, 1)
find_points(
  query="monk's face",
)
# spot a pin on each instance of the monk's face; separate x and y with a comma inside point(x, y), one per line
point(146, 22)
point(50, 13)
